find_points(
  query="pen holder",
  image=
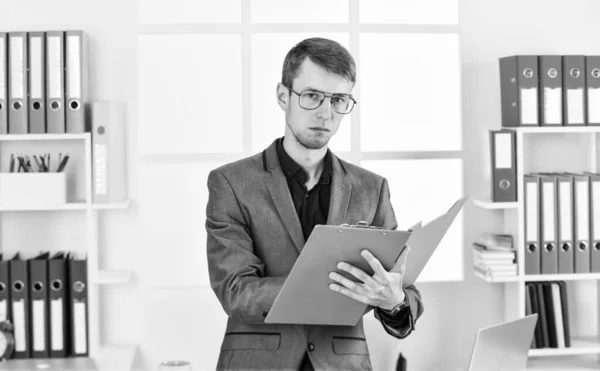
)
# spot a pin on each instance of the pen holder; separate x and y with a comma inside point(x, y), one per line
point(33, 188)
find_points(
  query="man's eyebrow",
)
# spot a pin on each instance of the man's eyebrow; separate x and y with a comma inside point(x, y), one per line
point(311, 88)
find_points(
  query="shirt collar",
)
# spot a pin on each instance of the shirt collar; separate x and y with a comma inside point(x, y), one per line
point(292, 169)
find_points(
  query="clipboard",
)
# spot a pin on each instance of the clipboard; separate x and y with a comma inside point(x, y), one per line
point(305, 297)
point(424, 240)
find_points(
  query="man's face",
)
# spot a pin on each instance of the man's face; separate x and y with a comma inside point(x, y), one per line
point(312, 129)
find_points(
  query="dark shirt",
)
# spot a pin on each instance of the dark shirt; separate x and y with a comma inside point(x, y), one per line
point(312, 206)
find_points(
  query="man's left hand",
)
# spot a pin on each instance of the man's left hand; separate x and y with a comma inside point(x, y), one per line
point(383, 289)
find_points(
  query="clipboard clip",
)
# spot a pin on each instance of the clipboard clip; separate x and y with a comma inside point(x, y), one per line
point(360, 224)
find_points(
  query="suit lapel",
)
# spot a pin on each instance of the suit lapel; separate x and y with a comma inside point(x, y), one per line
point(276, 183)
point(280, 194)
point(341, 189)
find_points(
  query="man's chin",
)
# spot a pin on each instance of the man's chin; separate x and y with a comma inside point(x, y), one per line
point(314, 143)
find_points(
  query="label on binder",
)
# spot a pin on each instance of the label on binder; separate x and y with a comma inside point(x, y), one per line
point(80, 328)
point(74, 67)
point(39, 324)
point(2, 69)
point(17, 61)
point(35, 68)
point(553, 106)
point(529, 106)
point(594, 105)
point(575, 106)
point(3, 310)
point(54, 62)
point(56, 313)
point(19, 320)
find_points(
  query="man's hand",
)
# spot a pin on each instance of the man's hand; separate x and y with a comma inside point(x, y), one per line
point(383, 289)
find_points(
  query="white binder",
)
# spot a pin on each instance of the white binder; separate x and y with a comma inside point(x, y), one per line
point(3, 83)
point(18, 118)
point(37, 82)
point(76, 67)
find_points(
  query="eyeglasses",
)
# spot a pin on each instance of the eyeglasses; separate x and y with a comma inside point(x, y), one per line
point(311, 99)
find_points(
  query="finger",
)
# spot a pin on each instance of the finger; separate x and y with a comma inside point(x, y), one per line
point(349, 293)
point(353, 286)
point(400, 266)
point(365, 278)
point(374, 263)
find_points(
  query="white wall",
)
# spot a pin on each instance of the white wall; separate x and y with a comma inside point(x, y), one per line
point(137, 314)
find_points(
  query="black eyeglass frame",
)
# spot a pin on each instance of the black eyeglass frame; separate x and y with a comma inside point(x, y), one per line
point(325, 95)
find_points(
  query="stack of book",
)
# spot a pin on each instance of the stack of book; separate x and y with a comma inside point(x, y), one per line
point(494, 255)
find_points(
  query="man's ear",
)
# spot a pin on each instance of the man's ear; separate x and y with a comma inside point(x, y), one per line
point(283, 96)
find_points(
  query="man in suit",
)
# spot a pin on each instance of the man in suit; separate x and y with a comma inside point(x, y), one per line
point(261, 210)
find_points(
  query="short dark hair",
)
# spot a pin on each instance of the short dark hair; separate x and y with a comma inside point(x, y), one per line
point(328, 54)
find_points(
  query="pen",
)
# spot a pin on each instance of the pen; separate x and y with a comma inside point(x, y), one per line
point(63, 163)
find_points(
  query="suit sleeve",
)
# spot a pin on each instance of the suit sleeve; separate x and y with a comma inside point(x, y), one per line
point(403, 323)
point(236, 273)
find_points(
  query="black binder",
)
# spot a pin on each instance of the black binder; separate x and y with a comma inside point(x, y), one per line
point(59, 306)
point(550, 314)
point(535, 308)
point(21, 309)
point(4, 290)
point(565, 312)
point(543, 316)
point(38, 285)
point(78, 285)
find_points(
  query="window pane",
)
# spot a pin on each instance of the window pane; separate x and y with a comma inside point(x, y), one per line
point(294, 11)
point(182, 324)
point(268, 120)
point(189, 11)
point(410, 93)
point(190, 89)
point(409, 11)
point(422, 190)
point(172, 216)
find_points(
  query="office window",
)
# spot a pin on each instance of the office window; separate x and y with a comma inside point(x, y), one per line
point(172, 217)
point(407, 124)
point(294, 11)
point(190, 89)
point(410, 92)
point(189, 11)
point(421, 190)
point(409, 11)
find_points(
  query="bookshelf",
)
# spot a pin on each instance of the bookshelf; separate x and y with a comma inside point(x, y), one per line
point(101, 357)
point(552, 149)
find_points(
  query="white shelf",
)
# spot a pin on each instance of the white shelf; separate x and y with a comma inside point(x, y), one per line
point(561, 277)
point(110, 358)
point(68, 206)
point(113, 277)
point(539, 277)
point(80, 205)
point(24, 137)
point(579, 346)
point(490, 205)
point(558, 129)
point(580, 363)
point(497, 279)
point(112, 206)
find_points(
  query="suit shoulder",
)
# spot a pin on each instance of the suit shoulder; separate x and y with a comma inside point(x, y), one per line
point(251, 163)
point(361, 174)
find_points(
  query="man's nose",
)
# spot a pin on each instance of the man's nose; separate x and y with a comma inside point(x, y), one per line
point(324, 110)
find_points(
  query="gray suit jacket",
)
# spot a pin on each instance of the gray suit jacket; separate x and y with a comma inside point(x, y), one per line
point(254, 237)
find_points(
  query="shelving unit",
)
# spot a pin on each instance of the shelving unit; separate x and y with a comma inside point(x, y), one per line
point(548, 149)
point(101, 357)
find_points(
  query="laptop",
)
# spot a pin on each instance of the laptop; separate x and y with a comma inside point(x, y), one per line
point(503, 347)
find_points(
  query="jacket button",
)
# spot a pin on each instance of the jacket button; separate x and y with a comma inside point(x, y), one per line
point(311, 347)
point(265, 314)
